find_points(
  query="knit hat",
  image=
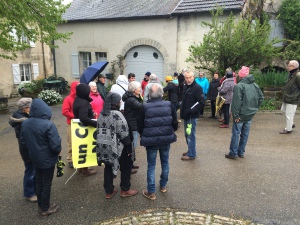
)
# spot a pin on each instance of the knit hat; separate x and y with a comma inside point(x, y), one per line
point(175, 74)
point(169, 78)
point(244, 71)
point(148, 73)
point(24, 103)
point(229, 74)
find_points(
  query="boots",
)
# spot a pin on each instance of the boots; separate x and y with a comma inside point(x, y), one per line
point(87, 171)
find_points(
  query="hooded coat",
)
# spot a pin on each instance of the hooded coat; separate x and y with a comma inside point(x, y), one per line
point(247, 98)
point(41, 136)
point(82, 108)
point(67, 106)
point(120, 87)
point(204, 83)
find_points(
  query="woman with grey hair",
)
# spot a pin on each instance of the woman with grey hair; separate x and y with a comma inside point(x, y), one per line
point(132, 104)
point(152, 80)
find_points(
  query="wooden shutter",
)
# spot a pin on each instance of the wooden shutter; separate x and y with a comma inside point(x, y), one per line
point(75, 65)
point(16, 73)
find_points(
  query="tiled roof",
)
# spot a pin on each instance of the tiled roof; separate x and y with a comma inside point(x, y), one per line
point(117, 9)
point(188, 6)
point(113, 9)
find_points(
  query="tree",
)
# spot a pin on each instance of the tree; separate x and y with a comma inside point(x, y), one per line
point(289, 14)
point(33, 20)
point(233, 43)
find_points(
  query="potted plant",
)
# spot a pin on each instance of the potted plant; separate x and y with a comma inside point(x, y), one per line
point(30, 88)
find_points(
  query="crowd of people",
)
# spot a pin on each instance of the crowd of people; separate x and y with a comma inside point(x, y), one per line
point(132, 109)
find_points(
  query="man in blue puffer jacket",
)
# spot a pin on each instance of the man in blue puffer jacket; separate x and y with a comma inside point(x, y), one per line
point(44, 145)
point(156, 127)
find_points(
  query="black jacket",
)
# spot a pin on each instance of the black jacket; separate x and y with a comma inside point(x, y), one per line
point(132, 107)
point(213, 89)
point(40, 135)
point(82, 108)
point(191, 94)
point(156, 123)
point(181, 84)
point(16, 122)
point(172, 90)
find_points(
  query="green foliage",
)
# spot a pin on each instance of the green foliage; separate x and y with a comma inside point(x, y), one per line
point(270, 79)
point(33, 87)
point(233, 43)
point(289, 14)
point(35, 19)
point(51, 97)
point(268, 104)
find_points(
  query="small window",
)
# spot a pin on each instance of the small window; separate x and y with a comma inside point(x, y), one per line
point(135, 54)
point(155, 55)
point(101, 56)
point(86, 60)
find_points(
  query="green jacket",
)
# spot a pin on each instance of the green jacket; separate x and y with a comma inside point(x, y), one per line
point(291, 90)
point(247, 98)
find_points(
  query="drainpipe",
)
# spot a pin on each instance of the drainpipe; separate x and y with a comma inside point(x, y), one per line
point(44, 63)
point(54, 60)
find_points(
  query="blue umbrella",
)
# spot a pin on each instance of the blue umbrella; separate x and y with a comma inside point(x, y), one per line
point(92, 72)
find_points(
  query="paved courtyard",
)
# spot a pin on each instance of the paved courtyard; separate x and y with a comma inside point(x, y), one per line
point(262, 188)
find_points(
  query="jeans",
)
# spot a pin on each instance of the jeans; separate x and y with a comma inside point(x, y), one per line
point(125, 168)
point(44, 179)
point(29, 180)
point(239, 138)
point(289, 111)
point(226, 113)
point(191, 139)
point(135, 138)
point(164, 160)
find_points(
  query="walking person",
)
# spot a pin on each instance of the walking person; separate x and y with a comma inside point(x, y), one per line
point(42, 139)
point(192, 103)
point(16, 121)
point(67, 111)
point(291, 96)
point(114, 147)
point(213, 93)
point(157, 137)
point(226, 91)
point(247, 98)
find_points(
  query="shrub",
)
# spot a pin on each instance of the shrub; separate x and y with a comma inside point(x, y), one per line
point(34, 86)
point(268, 104)
point(271, 79)
point(50, 97)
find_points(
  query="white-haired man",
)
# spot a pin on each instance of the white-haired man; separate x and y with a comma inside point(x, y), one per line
point(291, 96)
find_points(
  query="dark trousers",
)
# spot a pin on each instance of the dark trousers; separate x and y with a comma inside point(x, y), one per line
point(44, 179)
point(226, 113)
point(174, 109)
point(213, 107)
point(125, 168)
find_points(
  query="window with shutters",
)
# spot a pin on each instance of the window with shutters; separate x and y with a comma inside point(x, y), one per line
point(25, 72)
point(102, 56)
point(86, 59)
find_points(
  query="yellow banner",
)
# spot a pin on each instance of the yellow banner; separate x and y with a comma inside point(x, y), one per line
point(83, 145)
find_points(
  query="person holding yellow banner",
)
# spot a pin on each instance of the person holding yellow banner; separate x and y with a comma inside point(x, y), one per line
point(83, 111)
point(114, 147)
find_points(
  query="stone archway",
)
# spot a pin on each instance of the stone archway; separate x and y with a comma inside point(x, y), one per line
point(152, 43)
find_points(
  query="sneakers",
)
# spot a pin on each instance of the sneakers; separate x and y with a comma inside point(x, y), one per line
point(51, 210)
point(228, 156)
point(224, 126)
point(185, 158)
point(151, 196)
point(85, 172)
point(32, 199)
point(163, 189)
point(108, 196)
point(285, 132)
point(128, 193)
